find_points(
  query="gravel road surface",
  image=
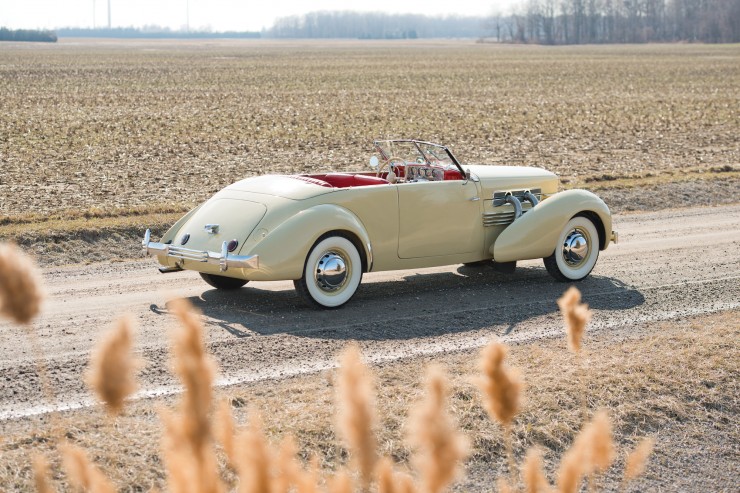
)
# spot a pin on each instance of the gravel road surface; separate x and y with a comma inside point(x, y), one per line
point(668, 265)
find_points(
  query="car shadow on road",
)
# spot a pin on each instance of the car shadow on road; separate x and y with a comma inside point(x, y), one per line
point(419, 305)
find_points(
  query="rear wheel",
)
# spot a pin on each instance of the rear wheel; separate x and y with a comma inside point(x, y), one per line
point(332, 273)
point(223, 282)
point(576, 252)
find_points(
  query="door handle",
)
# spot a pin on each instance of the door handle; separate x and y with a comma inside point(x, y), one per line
point(475, 199)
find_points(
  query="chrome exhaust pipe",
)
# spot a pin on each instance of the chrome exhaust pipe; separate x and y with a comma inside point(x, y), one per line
point(531, 198)
point(511, 199)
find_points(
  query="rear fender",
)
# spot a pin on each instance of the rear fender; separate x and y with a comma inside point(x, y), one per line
point(169, 236)
point(535, 233)
point(283, 251)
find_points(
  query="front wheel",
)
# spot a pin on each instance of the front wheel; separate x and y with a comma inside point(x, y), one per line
point(332, 273)
point(223, 282)
point(576, 252)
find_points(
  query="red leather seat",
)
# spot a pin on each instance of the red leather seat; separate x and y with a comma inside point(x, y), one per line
point(452, 174)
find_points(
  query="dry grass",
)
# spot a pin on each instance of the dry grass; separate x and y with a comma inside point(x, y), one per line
point(120, 125)
point(682, 394)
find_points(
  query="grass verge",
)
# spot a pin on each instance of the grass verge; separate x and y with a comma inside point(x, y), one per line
point(676, 381)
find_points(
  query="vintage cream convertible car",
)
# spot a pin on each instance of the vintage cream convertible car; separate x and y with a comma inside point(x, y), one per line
point(418, 208)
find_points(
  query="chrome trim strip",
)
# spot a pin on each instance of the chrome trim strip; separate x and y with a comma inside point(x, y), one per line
point(223, 259)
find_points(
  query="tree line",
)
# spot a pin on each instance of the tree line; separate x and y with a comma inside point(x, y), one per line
point(27, 35)
point(151, 32)
point(618, 21)
point(374, 25)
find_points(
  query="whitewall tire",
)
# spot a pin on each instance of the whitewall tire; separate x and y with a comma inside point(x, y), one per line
point(576, 252)
point(332, 273)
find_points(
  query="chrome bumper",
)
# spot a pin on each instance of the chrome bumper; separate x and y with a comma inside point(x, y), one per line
point(224, 259)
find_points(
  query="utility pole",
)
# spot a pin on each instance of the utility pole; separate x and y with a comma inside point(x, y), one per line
point(109, 14)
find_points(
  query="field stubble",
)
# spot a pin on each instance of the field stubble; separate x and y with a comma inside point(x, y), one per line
point(120, 125)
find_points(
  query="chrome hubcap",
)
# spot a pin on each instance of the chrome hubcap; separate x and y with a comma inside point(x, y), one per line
point(575, 248)
point(331, 272)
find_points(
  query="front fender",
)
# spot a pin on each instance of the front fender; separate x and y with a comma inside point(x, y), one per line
point(535, 233)
point(283, 251)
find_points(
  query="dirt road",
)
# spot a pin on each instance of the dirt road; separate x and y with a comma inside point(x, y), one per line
point(668, 265)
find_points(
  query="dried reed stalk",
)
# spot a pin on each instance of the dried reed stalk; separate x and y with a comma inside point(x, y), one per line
point(601, 442)
point(533, 473)
point(21, 295)
point(287, 469)
point(501, 388)
point(356, 412)
point(341, 482)
point(189, 454)
point(41, 475)
point(592, 451)
point(576, 316)
point(637, 459)
point(503, 486)
point(308, 481)
point(601, 446)
point(226, 430)
point(254, 461)
point(82, 473)
point(20, 285)
point(571, 470)
point(112, 374)
point(439, 446)
point(390, 481)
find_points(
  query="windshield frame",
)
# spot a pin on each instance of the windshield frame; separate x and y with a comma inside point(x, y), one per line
point(419, 144)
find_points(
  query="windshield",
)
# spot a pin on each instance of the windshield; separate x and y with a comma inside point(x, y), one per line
point(411, 151)
point(406, 150)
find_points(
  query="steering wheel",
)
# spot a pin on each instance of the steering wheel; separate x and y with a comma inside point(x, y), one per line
point(392, 161)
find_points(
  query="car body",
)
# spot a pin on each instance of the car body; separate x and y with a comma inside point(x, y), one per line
point(419, 207)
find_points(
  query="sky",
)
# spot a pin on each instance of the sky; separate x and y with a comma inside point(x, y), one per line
point(217, 15)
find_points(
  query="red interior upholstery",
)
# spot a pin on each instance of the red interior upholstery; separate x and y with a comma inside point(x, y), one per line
point(452, 174)
point(343, 180)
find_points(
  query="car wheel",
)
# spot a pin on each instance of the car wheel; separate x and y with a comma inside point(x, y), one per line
point(332, 273)
point(576, 252)
point(223, 282)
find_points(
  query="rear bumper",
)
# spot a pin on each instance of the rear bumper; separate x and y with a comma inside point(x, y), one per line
point(223, 259)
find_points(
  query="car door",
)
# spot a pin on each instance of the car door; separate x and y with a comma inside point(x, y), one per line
point(439, 218)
